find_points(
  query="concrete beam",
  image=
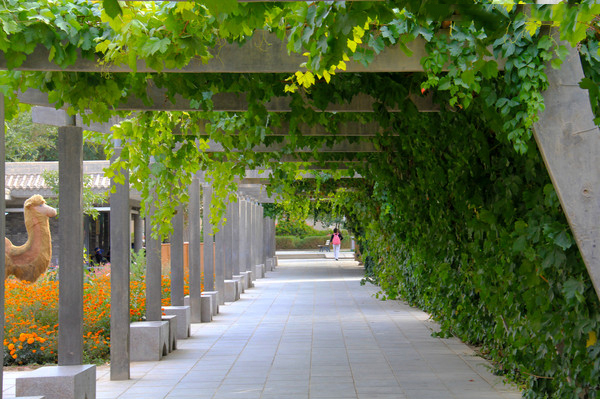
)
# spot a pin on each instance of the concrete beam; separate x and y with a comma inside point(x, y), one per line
point(570, 145)
point(228, 102)
point(342, 146)
point(264, 52)
point(56, 117)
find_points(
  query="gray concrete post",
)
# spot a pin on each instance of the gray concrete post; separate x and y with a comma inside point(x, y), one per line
point(119, 276)
point(195, 281)
point(256, 246)
point(273, 239)
point(138, 232)
point(3, 224)
point(209, 258)
point(261, 235)
point(247, 234)
point(220, 264)
point(153, 270)
point(265, 237)
point(241, 235)
point(569, 142)
point(228, 244)
point(177, 258)
point(251, 235)
point(70, 227)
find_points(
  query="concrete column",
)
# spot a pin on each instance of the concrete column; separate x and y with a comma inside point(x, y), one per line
point(235, 236)
point(265, 237)
point(119, 276)
point(209, 258)
point(242, 236)
point(256, 235)
point(220, 264)
point(273, 240)
point(70, 222)
point(261, 235)
point(153, 270)
point(251, 235)
point(177, 258)
point(569, 142)
point(228, 244)
point(3, 224)
point(194, 252)
point(138, 232)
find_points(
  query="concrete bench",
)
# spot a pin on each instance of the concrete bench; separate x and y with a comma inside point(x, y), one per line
point(184, 317)
point(59, 382)
point(148, 340)
point(324, 247)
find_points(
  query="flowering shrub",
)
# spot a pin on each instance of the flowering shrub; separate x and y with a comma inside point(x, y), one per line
point(31, 311)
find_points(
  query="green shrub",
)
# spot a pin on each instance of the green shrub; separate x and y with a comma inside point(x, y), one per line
point(295, 228)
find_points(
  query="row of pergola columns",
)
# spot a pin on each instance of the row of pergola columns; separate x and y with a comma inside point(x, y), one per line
point(245, 239)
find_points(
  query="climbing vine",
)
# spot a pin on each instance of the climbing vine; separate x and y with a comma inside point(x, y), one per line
point(454, 213)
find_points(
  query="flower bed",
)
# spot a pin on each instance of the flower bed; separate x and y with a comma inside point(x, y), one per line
point(31, 311)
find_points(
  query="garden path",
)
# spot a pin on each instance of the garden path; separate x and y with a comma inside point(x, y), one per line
point(310, 330)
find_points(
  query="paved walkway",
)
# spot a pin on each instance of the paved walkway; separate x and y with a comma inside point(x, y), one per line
point(310, 330)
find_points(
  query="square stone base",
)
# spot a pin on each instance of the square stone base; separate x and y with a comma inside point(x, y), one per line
point(172, 319)
point(214, 301)
point(247, 279)
point(259, 271)
point(148, 340)
point(207, 308)
point(242, 283)
point(184, 319)
point(59, 382)
point(231, 291)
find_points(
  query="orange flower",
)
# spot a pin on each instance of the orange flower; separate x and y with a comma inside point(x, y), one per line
point(30, 341)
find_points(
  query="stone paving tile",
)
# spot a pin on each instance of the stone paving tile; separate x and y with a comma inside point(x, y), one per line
point(309, 330)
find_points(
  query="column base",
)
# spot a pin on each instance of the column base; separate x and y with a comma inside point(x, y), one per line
point(172, 319)
point(214, 302)
point(241, 279)
point(207, 308)
point(184, 319)
point(231, 291)
point(149, 340)
point(247, 279)
point(259, 270)
point(59, 382)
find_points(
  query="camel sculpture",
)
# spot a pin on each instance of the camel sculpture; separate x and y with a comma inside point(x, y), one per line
point(28, 261)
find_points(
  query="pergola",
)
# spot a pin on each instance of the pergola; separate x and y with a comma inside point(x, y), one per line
point(566, 135)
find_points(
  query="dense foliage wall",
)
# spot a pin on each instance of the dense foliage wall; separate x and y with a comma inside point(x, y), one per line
point(472, 232)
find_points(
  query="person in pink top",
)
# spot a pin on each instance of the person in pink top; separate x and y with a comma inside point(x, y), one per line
point(336, 242)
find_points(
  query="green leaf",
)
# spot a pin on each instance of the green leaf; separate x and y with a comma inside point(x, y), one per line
point(112, 8)
point(573, 289)
point(217, 7)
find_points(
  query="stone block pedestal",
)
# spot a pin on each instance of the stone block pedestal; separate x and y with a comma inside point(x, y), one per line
point(231, 291)
point(214, 301)
point(172, 319)
point(247, 279)
point(259, 270)
point(148, 340)
point(59, 382)
point(184, 319)
point(207, 306)
point(241, 282)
